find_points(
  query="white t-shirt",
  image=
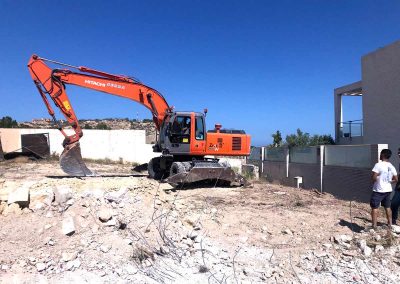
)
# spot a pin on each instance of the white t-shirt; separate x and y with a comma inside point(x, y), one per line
point(385, 171)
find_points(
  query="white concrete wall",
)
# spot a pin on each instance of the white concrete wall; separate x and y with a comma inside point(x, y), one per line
point(381, 97)
point(128, 145)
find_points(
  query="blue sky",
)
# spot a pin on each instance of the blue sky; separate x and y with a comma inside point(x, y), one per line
point(256, 65)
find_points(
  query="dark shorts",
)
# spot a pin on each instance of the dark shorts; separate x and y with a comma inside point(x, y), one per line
point(380, 198)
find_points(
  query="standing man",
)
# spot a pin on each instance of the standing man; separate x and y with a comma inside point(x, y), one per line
point(383, 174)
point(396, 199)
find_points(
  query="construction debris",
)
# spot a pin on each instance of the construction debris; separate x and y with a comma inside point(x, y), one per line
point(267, 233)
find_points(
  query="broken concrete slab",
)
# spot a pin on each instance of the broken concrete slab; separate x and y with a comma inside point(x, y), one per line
point(68, 226)
point(116, 196)
point(12, 209)
point(104, 214)
point(62, 194)
point(19, 195)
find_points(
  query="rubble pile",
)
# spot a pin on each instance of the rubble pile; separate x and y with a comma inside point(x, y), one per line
point(131, 229)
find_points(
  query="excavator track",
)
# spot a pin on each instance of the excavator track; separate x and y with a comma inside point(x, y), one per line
point(203, 171)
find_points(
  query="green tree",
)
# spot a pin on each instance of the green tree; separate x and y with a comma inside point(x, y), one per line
point(277, 139)
point(321, 140)
point(301, 139)
point(87, 126)
point(103, 126)
point(8, 122)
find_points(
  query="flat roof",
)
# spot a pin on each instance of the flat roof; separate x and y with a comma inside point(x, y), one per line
point(353, 89)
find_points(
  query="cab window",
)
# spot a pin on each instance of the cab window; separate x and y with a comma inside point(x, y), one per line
point(199, 128)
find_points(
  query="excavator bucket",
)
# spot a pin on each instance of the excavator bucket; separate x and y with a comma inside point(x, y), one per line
point(71, 161)
point(203, 171)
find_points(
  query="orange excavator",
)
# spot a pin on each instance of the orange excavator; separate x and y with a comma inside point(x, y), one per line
point(182, 139)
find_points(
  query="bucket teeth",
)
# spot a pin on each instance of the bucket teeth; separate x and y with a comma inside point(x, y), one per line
point(71, 161)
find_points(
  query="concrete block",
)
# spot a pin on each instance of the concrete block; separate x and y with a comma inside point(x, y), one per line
point(62, 194)
point(68, 226)
point(251, 170)
point(20, 196)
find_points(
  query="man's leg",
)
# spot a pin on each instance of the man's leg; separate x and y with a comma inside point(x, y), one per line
point(386, 204)
point(389, 216)
point(395, 204)
point(374, 217)
point(375, 201)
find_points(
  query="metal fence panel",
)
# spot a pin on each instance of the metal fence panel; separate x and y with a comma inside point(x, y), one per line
point(275, 154)
point(304, 155)
point(356, 156)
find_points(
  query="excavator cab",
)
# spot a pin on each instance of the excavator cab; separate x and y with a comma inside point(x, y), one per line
point(176, 135)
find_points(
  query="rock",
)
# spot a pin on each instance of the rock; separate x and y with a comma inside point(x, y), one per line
point(343, 240)
point(111, 223)
point(20, 195)
point(193, 234)
point(26, 210)
point(130, 269)
point(68, 256)
point(62, 194)
point(69, 265)
point(12, 209)
point(367, 251)
point(49, 241)
point(128, 241)
point(327, 246)
point(68, 226)
point(396, 229)
point(3, 205)
point(352, 253)
point(40, 266)
point(105, 248)
point(379, 248)
point(378, 238)
point(116, 196)
point(288, 232)
point(362, 244)
point(104, 214)
point(318, 268)
point(38, 200)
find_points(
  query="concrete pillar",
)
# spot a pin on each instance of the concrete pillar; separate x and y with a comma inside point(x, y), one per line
point(338, 115)
point(322, 161)
point(287, 152)
point(262, 160)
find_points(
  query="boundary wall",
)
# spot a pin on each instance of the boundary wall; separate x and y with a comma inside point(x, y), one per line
point(116, 145)
point(342, 170)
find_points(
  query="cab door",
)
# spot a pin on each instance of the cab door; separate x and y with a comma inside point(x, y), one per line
point(197, 135)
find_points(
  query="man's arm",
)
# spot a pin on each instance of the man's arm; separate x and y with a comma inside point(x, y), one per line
point(375, 176)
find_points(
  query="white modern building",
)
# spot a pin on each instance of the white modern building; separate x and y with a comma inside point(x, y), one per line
point(380, 91)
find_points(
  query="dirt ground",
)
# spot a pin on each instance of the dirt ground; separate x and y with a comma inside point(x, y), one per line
point(131, 229)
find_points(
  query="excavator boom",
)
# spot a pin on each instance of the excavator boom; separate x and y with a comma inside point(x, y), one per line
point(51, 84)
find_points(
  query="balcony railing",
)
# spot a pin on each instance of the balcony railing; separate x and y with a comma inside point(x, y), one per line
point(351, 128)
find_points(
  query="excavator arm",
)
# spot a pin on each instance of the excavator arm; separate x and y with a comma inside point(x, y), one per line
point(51, 83)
